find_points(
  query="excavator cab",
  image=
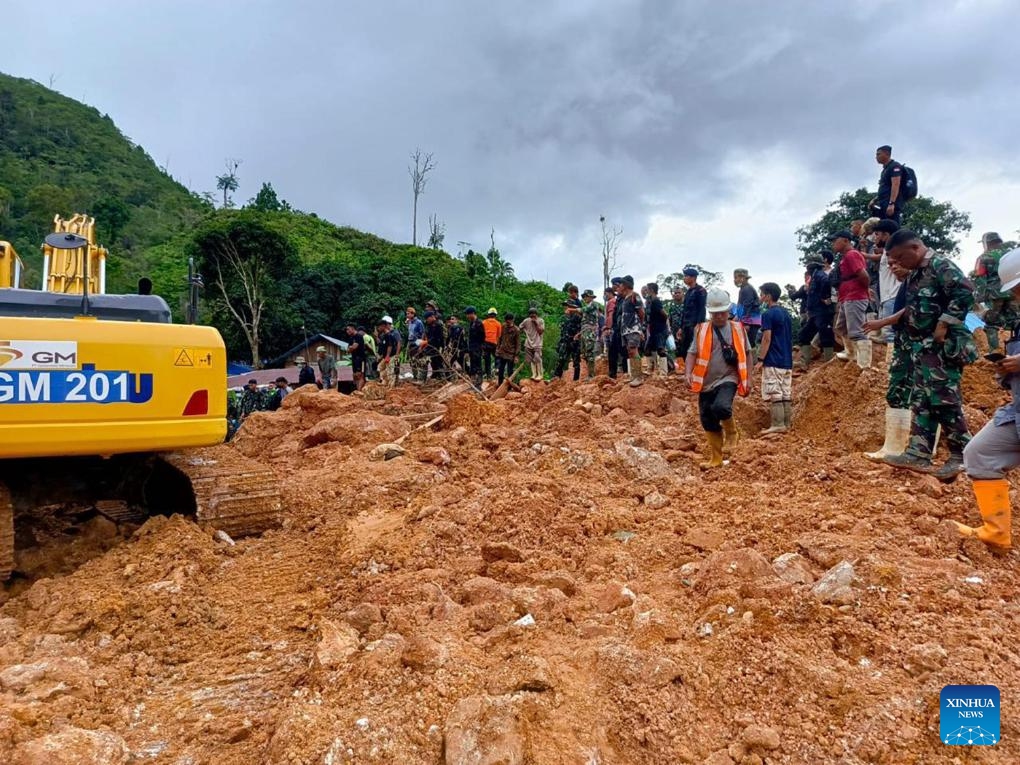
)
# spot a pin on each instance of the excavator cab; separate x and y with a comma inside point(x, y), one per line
point(111, 375)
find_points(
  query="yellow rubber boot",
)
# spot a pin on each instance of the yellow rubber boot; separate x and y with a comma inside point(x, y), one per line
point(715, 445)
point(731, 435)
point(993, 504)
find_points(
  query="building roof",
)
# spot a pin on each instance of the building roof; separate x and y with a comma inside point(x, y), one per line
point(311, 342)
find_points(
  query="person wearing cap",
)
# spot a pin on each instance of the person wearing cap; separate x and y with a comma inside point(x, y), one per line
point(508, 349)
point(415, 341)
point(456, 342)
point(717, 370)
point(305, 374)
point(533, 328)
point(589, 331)
point(475, 344)
point(995, 450)
point(693, 312)
point(611, 330)
point(996, 306)
point(938, 297)
point(568, 350)
point(359, 354)
point(657, 321)
point(432, 349)
point(748, 310)
point(889, 202)
point(852, 309)
point(252, 400)
point(327, 367)
point(493, 330)
point(631, 312)
point(276, 396)
point(389, 352)
point(775, 360)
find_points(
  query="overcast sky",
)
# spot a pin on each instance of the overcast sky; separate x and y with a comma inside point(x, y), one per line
point(708, 132)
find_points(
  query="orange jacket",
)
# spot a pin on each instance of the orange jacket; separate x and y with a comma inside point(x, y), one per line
point(493, 329)
point(704, 338)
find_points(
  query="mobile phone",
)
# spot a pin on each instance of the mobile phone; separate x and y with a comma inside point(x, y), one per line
point(995, 358)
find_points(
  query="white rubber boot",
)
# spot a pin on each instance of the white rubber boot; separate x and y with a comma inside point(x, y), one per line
point(864, 353)
point(897, 434)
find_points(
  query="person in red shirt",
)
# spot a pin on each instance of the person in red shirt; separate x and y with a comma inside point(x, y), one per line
point(853, 300)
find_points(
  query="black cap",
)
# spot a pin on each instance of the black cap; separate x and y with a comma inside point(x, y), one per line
point(470, 309)
point(885, 147)
point(616, 280)
point(841, 234)
point(628, 280)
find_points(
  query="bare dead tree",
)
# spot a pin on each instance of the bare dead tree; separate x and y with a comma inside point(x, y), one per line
point(610, 245)
point(423, 165)
point(251, 275)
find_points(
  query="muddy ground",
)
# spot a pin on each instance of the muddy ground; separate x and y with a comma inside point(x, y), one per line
point(545, 579)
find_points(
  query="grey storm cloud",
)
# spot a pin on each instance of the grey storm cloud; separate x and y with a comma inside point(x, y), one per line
point(541, 115)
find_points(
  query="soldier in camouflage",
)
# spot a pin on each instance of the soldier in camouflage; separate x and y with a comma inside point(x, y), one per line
point(589, 331)
point(999, 309)
point(938, 297)
point(569, 347)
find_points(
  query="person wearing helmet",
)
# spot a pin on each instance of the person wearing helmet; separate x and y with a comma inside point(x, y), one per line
point(389, 352)
point(327, 367)
point(717, 370)
point(995, 450)
point(493, 331)
point(938, 298)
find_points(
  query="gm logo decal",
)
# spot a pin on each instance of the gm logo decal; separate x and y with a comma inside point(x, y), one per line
point(38, 354)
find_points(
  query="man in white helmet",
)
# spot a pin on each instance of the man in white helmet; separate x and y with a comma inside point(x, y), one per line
point(995, 450)
point(389, 352)
point(717, 370)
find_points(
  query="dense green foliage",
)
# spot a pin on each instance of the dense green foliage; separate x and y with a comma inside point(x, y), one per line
point(339, 275)
point(58, 156)
point(939, 224)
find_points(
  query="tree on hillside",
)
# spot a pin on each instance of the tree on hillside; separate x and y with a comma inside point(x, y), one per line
point(111, 216)
point(610, 244)
point(247, 267)
point(267, 200)
point(939, 224)
point(228, 182)
point(477, 266)
point(706, 278)
point(437, 233)
point(423, 165)
point(500, 271)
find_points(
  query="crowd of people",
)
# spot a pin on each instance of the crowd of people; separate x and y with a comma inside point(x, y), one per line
point(878, 283)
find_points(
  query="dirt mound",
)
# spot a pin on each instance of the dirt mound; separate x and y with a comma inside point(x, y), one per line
point(546, 579)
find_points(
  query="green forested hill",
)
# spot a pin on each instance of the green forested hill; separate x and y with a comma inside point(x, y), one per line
point(60, 156)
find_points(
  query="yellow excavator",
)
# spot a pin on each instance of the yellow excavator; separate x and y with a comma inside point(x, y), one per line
point(100, 393)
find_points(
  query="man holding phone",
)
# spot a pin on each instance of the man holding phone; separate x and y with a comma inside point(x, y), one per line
point(853, 300)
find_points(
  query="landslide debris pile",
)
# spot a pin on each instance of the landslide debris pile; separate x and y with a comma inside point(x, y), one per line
point(545, 579)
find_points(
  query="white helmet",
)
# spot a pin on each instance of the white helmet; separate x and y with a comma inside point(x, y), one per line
point(387, 319)
point(718, 300)
point(1009, 270)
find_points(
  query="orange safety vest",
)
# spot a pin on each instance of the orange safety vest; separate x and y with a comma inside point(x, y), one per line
point(704, 340)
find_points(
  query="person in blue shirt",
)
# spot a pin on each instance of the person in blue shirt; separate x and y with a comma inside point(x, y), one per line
point(775, 359)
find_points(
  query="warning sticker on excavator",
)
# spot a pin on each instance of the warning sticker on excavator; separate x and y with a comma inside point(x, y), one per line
point(193, 357)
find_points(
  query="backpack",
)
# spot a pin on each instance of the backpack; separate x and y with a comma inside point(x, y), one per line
point(909, 185)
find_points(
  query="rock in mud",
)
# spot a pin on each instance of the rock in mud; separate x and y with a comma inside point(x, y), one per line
point(74, 746)
point(484, 730)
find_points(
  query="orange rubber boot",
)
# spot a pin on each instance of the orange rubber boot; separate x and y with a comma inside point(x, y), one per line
point(993, 504)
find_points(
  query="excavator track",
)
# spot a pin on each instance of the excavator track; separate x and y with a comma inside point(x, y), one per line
point(231, 492)
point(6, 533)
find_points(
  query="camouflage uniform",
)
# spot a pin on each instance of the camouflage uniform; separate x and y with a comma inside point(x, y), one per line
point(676, 321)
point(589, 335)
point(569, 349)
point(901, 372)
point(937, 291)
point(252, 401)
point(1001, 310)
